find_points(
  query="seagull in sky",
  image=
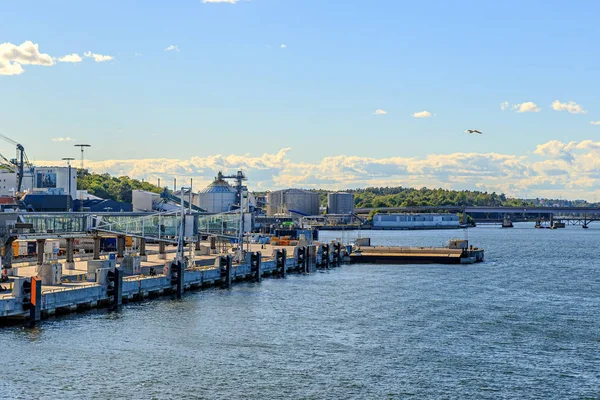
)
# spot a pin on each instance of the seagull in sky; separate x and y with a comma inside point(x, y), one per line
point(472, 131)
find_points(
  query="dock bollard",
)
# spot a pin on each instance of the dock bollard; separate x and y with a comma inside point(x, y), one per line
point(226, 270)
point(283, 262)
point(311, 255)
point(177, 277)
point(280, 256)
point(114, 287)
point(301, 259)
point(35, 312)
point(325, 256)
point(255, 265)
point(337, 248)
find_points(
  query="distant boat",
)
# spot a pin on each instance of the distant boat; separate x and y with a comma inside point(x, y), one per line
point(507, 223)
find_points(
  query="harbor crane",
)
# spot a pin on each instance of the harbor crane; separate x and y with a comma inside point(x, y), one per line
point(21, 162)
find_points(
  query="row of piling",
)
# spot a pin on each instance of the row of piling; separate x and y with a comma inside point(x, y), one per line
point(306, 259)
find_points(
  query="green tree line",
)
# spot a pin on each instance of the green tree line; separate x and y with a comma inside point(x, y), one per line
point(109, 187)
point(409, 197)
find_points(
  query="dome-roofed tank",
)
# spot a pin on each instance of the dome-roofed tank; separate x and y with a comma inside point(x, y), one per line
point(217, 197)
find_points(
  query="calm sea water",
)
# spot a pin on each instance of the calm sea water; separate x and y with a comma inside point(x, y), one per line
point(524, 324)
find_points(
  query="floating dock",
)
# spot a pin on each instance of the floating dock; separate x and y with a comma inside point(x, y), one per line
point(457, 252)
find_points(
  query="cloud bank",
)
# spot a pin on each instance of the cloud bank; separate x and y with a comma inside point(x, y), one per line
point(553, 169)
point(571, 107)
point(13, 57)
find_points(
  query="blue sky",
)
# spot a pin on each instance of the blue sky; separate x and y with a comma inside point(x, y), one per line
point(230, 88)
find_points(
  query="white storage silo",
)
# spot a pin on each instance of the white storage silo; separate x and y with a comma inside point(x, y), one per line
point(217, 197)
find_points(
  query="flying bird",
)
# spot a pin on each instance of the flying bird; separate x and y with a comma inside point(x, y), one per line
point(472, 131)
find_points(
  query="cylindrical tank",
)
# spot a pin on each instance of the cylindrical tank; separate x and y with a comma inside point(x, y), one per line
point(217, 197)
point(340, 203)
point(293, 201)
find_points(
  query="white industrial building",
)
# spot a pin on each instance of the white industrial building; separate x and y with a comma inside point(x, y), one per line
point(144, 201)
point(340, 203)
point(53, 180)
point(293, 201)
point(415, 221)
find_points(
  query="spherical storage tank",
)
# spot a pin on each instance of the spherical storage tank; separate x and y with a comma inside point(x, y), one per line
point(217, 197)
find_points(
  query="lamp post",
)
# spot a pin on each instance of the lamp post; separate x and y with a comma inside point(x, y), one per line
point(82, 147)
point(68, 160)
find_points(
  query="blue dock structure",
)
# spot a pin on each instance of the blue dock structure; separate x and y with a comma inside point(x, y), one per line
point(170, 259)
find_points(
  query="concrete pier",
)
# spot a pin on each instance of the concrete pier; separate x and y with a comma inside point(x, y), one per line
point(87, 286)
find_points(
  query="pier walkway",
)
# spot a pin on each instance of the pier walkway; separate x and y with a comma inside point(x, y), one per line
point(79, 288)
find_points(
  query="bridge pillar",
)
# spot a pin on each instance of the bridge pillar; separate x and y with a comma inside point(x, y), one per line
point(96, 247)
point(143, 256)
point(162, 250)
point(69, 263)
point(120, 247)
point(40, 251)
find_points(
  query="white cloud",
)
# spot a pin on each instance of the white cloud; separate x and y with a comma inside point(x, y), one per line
point(504, 105)
point(528, 106)
point(422, 114)
point(172, 48)
point(571, 107)
point(98, 57)
point(595, 122)
point(12, 57)
point(71, 58)
point(283, 46)
point(552, 168)
point(63, 139)
point(380, 112)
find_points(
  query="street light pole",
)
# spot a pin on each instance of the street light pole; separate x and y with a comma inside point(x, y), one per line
point(82, 147)
point(68, 160)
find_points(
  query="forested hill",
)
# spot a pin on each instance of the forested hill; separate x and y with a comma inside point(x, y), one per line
point(110, 187)
point(406, 197)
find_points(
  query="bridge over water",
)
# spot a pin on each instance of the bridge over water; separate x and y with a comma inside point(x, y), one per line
point(487, 210)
